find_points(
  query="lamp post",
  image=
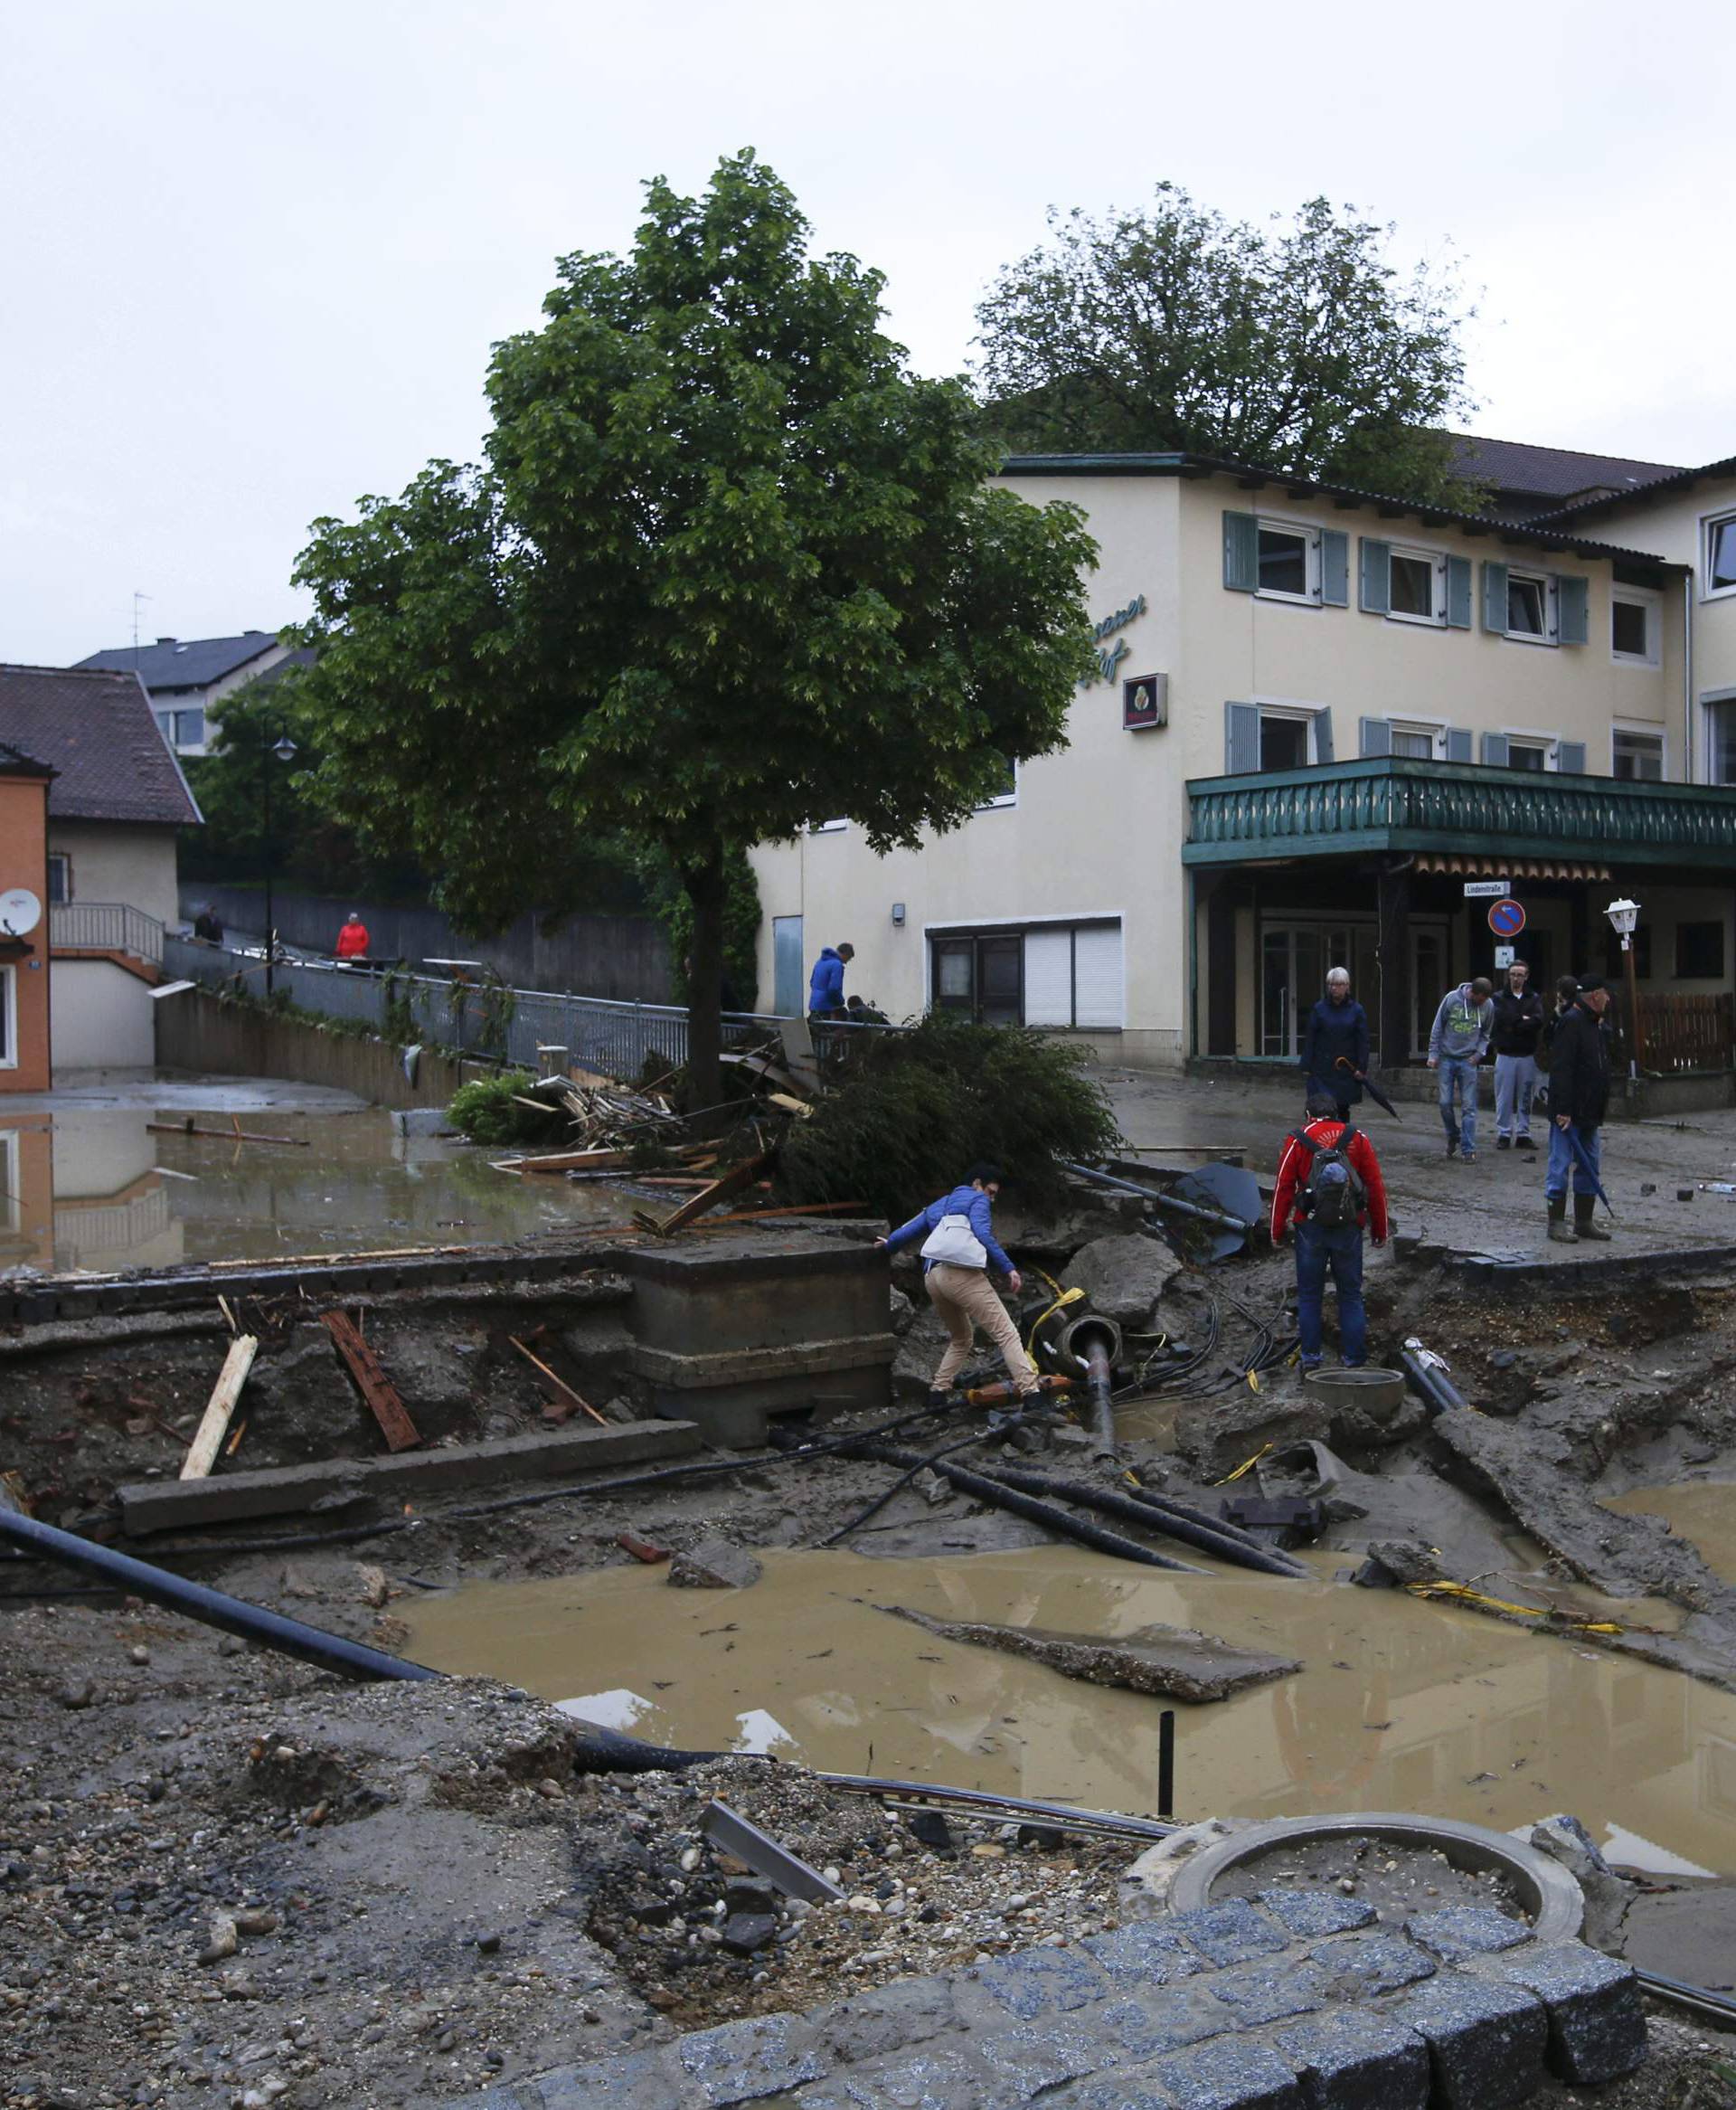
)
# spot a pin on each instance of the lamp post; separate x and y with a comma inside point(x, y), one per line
point(283, 751)
point(1624, 916)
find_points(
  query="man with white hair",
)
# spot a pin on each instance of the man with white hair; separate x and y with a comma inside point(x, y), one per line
point(1335, 1044)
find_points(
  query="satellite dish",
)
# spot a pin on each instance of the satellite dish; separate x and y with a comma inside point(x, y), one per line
point(20, 911)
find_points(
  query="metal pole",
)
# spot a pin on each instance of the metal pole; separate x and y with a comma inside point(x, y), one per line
point(1635, 1045)
point(1166, 1763)
point(265, 756)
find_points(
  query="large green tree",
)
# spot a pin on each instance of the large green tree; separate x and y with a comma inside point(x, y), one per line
point(728, 568)
point(1300, 347)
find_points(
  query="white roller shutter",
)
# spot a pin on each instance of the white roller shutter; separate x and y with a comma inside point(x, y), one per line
point(1048, 977)
point(1096, 976)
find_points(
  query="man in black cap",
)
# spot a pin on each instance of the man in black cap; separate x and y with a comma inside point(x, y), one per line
point(1578, 1098)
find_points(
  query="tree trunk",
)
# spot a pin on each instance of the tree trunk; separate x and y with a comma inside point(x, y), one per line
point(704, 885)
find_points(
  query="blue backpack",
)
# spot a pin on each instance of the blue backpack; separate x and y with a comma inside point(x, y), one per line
point(1333, 1194)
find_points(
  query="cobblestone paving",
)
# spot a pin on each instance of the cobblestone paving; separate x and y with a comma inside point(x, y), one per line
point(1290, 2002)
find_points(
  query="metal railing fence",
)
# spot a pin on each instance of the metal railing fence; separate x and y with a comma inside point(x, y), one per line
point(105, 927)
point(613, 1038)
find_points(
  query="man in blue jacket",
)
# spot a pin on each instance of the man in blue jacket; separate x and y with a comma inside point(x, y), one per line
point(825, 984)
point(958, 1252)
point(1337, 1028)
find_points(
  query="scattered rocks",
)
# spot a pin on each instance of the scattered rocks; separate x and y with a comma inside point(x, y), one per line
point(223, 1939)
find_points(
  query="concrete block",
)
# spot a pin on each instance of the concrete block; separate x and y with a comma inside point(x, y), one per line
point(1271, 1992)
point(735, 1417)
point(741, 2061)
point(1486, 2042)
point(1465, 1930)
point(1226, 2076)
point(890, 2019)
point(1318, 1912)
point(1356, 2062)
point(1168, 2019)
point(638, 2080)
point(1144, 1952)
point(1032, 1983)
point(149, 1505)
point(714, 1565)
point(1597, 2030)
point(948, 2078)
point(1362, 1966)
point(1232, 1933)
point(1038, 2057)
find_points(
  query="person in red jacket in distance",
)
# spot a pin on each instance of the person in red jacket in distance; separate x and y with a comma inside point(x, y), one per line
point(1335, 1190)
point(353, 939)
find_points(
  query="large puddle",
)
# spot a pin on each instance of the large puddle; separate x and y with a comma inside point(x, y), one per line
point(1703, 1510)
point(1402, 1705)
point(94, 1187)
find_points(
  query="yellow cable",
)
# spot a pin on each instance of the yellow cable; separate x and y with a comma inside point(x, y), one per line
point(1063, 1298)
point(1464, 1594)
point(1247, 1465)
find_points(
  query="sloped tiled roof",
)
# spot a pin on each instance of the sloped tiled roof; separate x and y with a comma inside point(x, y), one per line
point(97, 731)
point(15, 763)
point(1681, 479)
point(1545, 479)
point(186, 662)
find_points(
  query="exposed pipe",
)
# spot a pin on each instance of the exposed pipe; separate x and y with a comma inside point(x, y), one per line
point(1125, 1503)
point(862, 1784)
point(1217, 1218)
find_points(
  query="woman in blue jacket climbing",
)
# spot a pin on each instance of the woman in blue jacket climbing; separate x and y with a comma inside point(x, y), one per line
point(957, 1252)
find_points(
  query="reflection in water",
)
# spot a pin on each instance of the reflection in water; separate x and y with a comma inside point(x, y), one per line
point(1402, 1705)
point(92, 1188)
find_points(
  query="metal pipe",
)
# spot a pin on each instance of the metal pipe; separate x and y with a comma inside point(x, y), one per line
point(1101, 1381)
point(1217, 1218)
point(1166, 1763)
point(253, 1623)
point(862, 1784)
point(1126, 1503)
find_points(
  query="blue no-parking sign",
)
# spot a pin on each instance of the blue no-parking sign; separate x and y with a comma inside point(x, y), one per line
point(1506, 918)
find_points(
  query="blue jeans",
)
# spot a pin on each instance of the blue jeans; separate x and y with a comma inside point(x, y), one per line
point(1563, 1160)
point(1339, 1250)
point(1458, 1076)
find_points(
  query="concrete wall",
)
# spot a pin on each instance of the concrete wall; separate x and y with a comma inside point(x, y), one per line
point(621, 957)
point(195, 1031)
point(25, 975)
point(103, 1018)
point(110, 860)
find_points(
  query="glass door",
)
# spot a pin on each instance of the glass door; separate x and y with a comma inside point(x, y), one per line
point(1294, 960)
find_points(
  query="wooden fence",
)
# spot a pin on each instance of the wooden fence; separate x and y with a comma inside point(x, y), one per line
point(1687, 1033)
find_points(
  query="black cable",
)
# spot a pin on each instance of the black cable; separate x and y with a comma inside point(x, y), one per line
point(1111, 1502)
point(903, 1479)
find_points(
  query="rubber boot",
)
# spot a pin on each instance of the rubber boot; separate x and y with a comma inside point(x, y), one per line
point(1585, 1222)
point(1560, 1229)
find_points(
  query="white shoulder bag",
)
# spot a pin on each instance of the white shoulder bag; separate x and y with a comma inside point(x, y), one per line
point(953, 1242)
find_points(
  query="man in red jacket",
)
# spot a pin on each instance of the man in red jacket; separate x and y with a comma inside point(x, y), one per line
point(1329, 1176)
point(353, 939)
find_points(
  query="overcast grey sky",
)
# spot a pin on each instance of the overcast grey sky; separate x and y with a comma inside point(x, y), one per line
point(253, 254)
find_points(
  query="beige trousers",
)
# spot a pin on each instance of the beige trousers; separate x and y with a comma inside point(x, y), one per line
point(965, 1298)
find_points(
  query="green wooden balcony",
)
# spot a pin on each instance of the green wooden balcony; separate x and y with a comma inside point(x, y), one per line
point(1346, 809)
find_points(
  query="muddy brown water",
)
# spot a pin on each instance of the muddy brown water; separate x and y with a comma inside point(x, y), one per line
point(98, 1191)
point(1402, 1705)
point(1703, 1510)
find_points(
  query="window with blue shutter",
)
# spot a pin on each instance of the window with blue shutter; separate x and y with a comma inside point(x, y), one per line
point(1241, 739)
point(1572, 610)
point(1376, 736)
point(1459, 593)
point(1375, 584)
point(1334, 568)
point(1570, 755)
point(1494, 748)
point(1458, 744)
point(1241, 552)
point(1494, 598)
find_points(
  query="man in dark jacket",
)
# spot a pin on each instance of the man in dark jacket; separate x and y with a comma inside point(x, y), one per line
point(1578, 1098)
point(1518, 1027)
point(1337, 1028)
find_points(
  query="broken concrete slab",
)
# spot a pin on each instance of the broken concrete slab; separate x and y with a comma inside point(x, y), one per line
point(1174, 1662)
point(1216, 1435)
point(1123, 1276)
point(714, 1565)
point(150, 1506)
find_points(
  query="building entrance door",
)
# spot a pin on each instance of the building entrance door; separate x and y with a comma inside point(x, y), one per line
point(789, 969)
point(1428, 984)
point(1294, 958)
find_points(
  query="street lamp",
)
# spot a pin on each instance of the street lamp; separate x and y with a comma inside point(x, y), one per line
point(1624, 918)
point(283, 751)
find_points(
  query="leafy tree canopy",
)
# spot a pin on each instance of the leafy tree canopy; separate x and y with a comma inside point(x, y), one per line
point(728, 568)
point(1300, 348)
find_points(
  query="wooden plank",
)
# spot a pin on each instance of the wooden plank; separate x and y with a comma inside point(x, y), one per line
point(201, 1453)
point(739, 1176)
point(235, 1135)
point(564, 1391)
point(370, 1381)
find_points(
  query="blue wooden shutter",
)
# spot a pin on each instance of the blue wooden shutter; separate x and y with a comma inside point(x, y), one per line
point(1570, 755)
point(1494, 749)
point(1322, 736)
point(1494, 598)
point(1459, 593)
point(1458, 744)
point(1241, 552)
point(1376, 589)
point(1572, 612)
point(1377, 736)
point(1334, 568)
point(1241, 739)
